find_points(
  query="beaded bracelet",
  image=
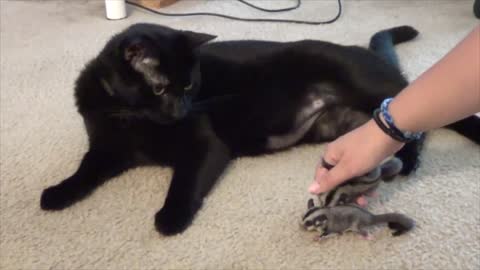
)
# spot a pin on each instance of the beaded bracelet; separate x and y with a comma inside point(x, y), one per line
point(410, 136)
point(386, 129)
point(390, 128)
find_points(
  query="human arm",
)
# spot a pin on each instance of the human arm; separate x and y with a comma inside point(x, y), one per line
point(447, 92)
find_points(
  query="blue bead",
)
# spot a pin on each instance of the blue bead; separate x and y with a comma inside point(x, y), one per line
point(389, 119)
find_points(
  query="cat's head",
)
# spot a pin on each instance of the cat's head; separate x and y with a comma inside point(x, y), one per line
point(146, 71)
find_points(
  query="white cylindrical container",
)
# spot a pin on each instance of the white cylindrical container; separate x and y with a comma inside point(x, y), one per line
point(115, 9)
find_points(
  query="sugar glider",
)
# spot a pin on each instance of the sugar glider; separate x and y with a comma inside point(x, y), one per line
point(349, 191)
point(344, 218)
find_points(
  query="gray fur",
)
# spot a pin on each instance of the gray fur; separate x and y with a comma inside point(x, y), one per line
point(147, 67)
point(303, 123)
point(345, 218)
point(284, 141)
point(349, 191)
point(391, 168)
point(336, 121)
point(319, 118)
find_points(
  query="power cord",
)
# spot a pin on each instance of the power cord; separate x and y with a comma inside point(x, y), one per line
point(299, 3)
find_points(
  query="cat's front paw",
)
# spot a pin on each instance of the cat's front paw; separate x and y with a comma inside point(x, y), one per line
point(55, 198)
point(174, 219)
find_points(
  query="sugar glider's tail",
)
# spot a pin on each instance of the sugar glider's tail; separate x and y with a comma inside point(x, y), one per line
point(399, 223)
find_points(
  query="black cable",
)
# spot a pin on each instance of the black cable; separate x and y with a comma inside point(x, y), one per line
point(239, 18)
point(387, 130)
point(299, 3)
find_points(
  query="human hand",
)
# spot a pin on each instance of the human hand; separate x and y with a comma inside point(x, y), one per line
point(353, 154)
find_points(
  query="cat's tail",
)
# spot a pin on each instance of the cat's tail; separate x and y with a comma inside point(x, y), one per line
point(410, 153)
point(398, 223)
point(383, 42)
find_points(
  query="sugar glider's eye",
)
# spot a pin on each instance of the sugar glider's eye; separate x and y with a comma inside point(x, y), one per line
point(158, 90)
point(308, 223)
point(188, 87)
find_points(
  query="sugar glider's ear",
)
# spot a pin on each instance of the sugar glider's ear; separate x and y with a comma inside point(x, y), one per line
point(195, 39)
point(310, 204)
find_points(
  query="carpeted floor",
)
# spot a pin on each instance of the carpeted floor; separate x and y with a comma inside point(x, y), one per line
point(250, 220)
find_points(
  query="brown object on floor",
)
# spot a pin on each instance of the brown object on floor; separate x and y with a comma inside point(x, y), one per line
point(156, 3)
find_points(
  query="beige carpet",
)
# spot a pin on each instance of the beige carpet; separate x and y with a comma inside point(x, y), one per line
point(250, 221)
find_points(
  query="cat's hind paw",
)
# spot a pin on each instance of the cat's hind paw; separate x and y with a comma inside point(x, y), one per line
point(174, 219)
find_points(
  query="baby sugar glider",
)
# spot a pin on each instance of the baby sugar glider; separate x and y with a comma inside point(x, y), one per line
point(350, 190)
point(344, 218)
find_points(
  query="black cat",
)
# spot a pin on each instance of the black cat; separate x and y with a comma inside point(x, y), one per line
point(155, 95)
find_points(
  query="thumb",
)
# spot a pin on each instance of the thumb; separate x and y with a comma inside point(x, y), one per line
point(327, 180)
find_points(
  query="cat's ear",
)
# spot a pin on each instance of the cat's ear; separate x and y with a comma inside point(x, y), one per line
point(135, 49)
point(195, 39)
point(310, 204)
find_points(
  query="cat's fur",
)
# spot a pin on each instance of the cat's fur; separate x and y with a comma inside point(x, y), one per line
point(136, 99)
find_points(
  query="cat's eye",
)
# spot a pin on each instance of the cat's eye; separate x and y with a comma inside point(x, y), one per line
point(188, 87)
point(158, 91)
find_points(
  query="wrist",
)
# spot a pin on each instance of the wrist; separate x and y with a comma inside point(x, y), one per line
point(380, 135)
point(401, 117)
point(383, 115)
